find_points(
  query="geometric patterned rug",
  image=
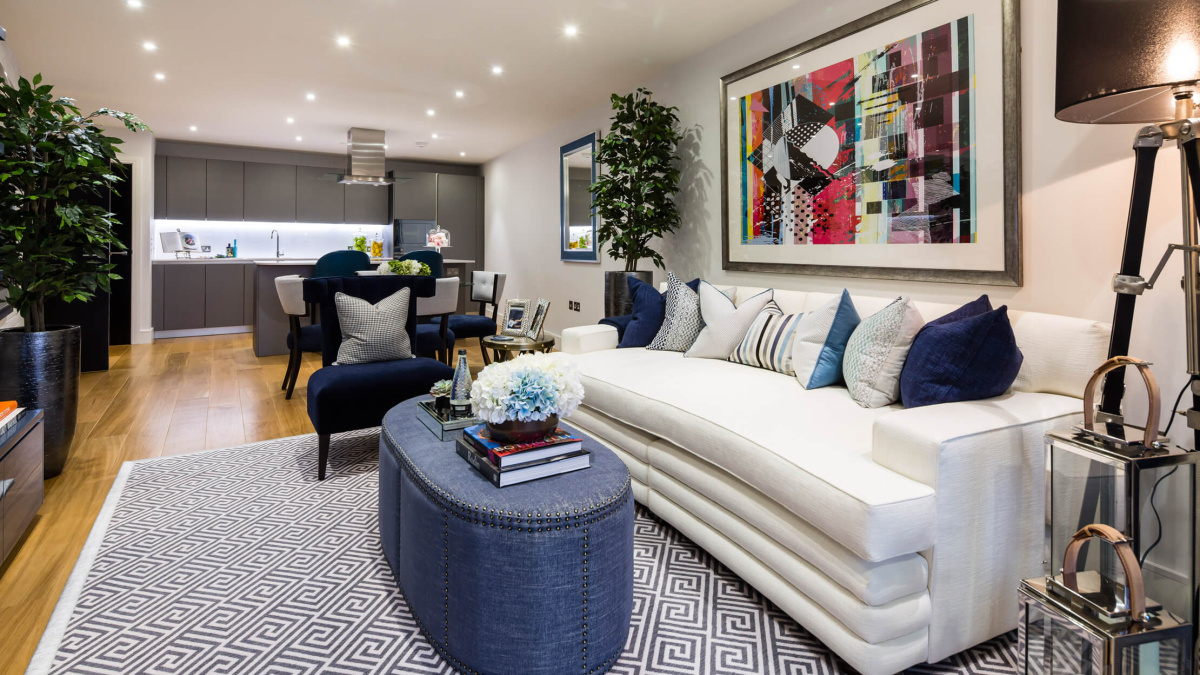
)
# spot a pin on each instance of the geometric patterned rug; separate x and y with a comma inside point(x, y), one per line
point(240, 561)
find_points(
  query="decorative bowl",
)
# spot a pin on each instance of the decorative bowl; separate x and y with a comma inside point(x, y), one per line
point(522, 432)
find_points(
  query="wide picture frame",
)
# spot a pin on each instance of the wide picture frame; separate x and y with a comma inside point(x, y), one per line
point(888, 148)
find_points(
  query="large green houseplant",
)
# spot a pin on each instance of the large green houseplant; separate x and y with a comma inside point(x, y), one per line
point(55, 164)
point(635, 195)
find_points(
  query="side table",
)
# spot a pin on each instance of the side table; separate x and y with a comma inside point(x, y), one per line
point(21, 467)
point(504, 350)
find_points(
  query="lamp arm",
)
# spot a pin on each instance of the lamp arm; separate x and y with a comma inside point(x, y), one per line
point(1128, 284)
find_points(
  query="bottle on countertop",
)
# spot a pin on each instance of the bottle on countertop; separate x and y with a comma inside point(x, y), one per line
point(235, 248)
point(460, 388)
point(228, 250)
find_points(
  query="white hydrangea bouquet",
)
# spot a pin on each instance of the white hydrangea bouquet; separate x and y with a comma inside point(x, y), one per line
point(535, 388)
point(406, 267)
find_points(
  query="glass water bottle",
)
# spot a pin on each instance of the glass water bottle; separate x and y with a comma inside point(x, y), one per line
point(460, 388)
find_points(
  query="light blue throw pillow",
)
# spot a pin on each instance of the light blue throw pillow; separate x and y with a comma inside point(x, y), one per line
point(821, 336)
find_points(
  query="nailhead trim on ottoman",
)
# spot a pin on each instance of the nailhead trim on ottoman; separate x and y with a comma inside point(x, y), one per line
point(517, 577)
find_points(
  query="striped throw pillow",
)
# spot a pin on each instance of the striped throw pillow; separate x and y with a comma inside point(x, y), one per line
point(769, 342)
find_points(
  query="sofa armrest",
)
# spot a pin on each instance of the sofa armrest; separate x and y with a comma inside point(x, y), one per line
point(986, 462)
point(913, 441)
point(584, 339)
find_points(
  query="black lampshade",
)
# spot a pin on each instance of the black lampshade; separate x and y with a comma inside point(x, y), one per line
point(1118, 60)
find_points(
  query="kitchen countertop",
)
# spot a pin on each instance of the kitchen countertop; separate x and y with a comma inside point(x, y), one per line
point(280, 261)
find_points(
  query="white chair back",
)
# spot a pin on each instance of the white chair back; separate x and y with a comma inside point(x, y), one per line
point(291, 294)
point(487, 287)
point(444, 300)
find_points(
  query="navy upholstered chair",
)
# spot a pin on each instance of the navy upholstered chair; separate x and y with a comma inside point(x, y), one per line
point(341, 264)
point(348, 397)
point(486, 289)
point(300, 338)
point(434, 335)
point(431, 258)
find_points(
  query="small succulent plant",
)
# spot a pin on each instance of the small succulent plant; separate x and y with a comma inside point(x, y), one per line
point(440, 388)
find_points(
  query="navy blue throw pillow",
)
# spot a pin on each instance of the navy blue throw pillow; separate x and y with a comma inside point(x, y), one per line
point(649, 310)
point(967, 355)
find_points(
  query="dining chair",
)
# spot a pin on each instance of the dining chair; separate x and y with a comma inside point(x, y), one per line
point(486, 288)
point(300, 338)
point(434, 335)
point(431, 258)
point(341, 264)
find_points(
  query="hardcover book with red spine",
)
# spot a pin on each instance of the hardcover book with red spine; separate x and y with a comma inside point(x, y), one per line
point(559, 442)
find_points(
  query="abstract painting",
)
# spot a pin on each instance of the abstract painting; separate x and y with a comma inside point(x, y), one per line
point(877, 150)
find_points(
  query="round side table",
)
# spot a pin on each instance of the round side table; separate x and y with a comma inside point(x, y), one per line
point(508, 349)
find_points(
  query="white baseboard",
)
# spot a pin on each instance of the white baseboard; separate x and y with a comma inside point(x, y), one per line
point(199, 332)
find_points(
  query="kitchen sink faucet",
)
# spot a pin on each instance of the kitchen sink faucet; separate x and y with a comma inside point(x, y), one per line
point(278, 242)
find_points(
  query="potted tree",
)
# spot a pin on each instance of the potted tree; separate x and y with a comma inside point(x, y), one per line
point(635, 196)
point(54, 243)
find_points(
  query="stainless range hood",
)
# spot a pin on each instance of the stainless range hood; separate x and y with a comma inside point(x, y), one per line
point(365, 159)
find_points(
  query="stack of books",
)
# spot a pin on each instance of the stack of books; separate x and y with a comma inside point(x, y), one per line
point(506, 464)
point(10, 414)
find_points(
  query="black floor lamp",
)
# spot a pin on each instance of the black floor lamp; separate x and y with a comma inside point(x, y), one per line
point(1138, 61)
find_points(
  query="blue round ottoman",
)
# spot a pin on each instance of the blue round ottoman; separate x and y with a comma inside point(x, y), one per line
point(532, 579)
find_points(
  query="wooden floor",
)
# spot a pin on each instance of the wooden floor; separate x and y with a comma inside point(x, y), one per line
point(166, 398)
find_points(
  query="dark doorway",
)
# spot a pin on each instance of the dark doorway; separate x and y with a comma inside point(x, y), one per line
point(120, 311)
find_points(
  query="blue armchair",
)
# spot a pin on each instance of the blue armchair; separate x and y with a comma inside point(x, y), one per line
point(348, 397)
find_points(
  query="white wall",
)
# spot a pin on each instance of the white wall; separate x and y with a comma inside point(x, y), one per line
point(1076, 193)
point(138, 151)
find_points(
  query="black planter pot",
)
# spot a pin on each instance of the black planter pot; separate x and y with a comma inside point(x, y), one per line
point(616, 291)
point(41, 370)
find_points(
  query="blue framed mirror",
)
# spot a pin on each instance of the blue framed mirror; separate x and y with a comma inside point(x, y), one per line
point(577, 227)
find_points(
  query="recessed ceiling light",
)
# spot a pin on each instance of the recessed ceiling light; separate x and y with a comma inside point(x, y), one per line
point(193, 127)
point(150, 46)
point(433, 135)
point(497, 70)
point(133, 4)
point(796, 67)
point(462, 154)
point(291, 120)
point(343, 41)
point(310, 96)
point(732, 98)
point(459, 94)
point(571, 30)
point(385, 146)
point(160, 76)
point(299, 138)
point(431, 112)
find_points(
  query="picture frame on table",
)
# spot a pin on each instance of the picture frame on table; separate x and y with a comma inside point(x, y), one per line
point(515, 317)
point(887, 148)
point(534, 328)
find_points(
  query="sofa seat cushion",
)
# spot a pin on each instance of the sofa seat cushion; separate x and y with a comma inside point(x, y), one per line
point(349, 397)
point(809, 450)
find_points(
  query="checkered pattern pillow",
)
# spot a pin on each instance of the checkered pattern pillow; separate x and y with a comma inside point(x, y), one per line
point(373, 333)
point(682, 323)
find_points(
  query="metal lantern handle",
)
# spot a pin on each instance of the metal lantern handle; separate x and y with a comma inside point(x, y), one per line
point(1089, 395)
point(1134, 583)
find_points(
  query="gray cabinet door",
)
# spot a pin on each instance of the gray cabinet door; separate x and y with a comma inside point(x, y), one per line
point(156, 296)
point(183, 296)
point(416, 198)
point(367, 205)
point(186, 180)
point(318, 199)
point(270, 192)
point(248, 293)
point(160, 187)
point(225, 188)
point(458, 212)
point(224, 295)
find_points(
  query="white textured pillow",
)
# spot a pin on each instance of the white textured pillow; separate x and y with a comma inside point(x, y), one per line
point(682, 322)
point(876, 353)
point(724, 324)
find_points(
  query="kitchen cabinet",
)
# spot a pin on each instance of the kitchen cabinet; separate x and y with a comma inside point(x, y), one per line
point(249, 297)
point(459, 213)
point(225, 189)
point(183, 296)
point(160, 188)
point(367, 205)
point(270, 192)
point(224, 295)
point(318, 199)
point(415, 198)
point(156, 297)
point(186, 188)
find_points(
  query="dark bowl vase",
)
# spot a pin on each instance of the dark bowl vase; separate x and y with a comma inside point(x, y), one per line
point(41, 370)
point(522, 432)
point(442, 404)
point(617, 301)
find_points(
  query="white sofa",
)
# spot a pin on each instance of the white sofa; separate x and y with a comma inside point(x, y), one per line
point(895, 536)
